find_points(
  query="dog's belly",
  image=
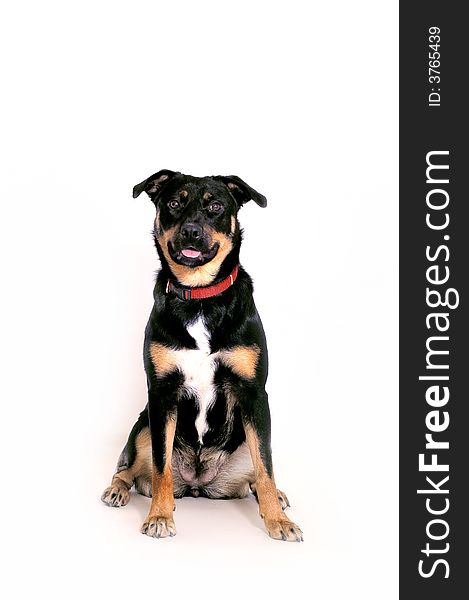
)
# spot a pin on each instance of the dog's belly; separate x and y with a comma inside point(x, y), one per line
point(212, 472)
point(206, 471)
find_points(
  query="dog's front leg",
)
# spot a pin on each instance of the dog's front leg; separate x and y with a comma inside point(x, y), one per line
point(257, 428)
point(159, 522)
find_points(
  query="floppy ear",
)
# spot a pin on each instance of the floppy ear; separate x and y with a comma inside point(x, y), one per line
point(154, 184)
point(241, 190)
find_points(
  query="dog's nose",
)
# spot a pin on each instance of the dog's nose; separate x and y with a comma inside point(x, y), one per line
point(191, 232)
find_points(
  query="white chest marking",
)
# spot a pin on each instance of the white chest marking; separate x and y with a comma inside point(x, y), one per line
point(198, 367)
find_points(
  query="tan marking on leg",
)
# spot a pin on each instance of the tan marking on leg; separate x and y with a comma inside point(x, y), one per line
point(242, 360)
point(197, 276)
point(124, 477)
point(162, 491)
point(159, 522)
point(117, 494)
point(282, 497)
point(142, 462)
point(164, 359)
point(266, 489)
point(276, 522)
point(143, 441)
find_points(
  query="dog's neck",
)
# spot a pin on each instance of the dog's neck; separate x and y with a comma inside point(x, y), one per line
point(202, 293)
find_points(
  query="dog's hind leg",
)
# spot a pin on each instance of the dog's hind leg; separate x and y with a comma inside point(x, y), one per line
point(117, 494)
point(131, 464)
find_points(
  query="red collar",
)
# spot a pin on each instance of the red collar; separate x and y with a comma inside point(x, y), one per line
point(199, 293)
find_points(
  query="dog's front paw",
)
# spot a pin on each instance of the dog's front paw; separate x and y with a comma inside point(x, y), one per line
point(159, 527)
point(116, 496)
point(283, 529)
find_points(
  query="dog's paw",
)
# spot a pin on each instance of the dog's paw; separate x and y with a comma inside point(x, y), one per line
point(283, 529)
point(282, 498)
point(159, 527)
point(115, 496)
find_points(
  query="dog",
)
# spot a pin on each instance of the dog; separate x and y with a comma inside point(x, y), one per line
point(206, 428)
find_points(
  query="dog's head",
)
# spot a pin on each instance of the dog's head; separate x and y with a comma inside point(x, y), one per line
point(196, 225)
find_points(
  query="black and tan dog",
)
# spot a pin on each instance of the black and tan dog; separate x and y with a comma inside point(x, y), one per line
point(206, 428)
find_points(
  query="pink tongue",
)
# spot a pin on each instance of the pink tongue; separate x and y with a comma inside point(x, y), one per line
point(191, 253)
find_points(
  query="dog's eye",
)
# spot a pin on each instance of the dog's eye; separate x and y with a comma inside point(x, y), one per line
point(174, 204)
point(215, 207)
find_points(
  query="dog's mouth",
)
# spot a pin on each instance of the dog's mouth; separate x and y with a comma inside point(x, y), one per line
point(190, 256)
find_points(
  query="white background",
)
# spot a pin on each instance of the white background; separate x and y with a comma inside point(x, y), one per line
point(300, 100)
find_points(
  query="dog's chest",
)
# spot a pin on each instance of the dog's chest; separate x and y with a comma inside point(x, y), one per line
point(198, 367)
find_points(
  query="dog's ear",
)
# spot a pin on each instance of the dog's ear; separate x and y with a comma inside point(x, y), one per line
point(154, 184)
point(241, 191)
